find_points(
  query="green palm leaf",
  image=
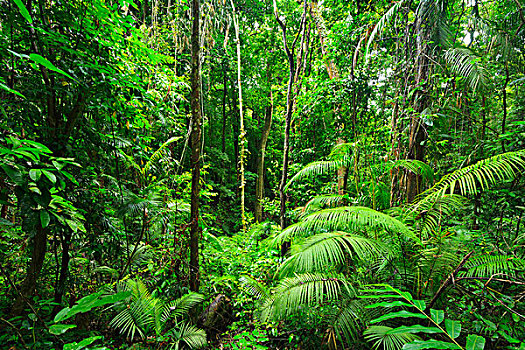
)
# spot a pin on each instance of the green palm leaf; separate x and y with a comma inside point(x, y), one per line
point(474, 178)
point(348, 219)
point(383, 339)
point(330, 249)
point(301, 291)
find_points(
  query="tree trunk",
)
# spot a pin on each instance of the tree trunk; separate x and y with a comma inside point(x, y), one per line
point(242, 134)
point(259, 187)
point(28, 286)
point(195, 145)
point(418, 135)
point(64, 267)
point(224, 117)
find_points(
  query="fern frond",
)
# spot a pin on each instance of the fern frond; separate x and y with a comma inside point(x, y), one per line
point(304, 290)
point(471, 179)
point(347, 219)
point(432, 214)
point(330, 249)
point(347, 323)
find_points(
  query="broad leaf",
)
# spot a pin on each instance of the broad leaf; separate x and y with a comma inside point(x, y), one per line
point(35, 174)
point(429, 344)
point(437, 315)
point(475, 342)
point(44, 218)
point(453, 328)
point(58, 329)
point(414, 329)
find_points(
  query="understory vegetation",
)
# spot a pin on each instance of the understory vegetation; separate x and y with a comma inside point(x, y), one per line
point(262, 174)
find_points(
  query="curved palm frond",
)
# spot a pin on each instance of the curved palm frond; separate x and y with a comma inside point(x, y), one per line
point(188, 334)
point(432, 214)
point(254, 287)
point(381, 24)
point(348, 219)
point(304, 290)
point(416, 166)
point(333, 200)
point(383, 339)
point(317, 168)
point(491, 265)
point(462, 61)
point(347, 323)
point(330, 249)
point(471, 179)
point(158, 154)
point(183, 304)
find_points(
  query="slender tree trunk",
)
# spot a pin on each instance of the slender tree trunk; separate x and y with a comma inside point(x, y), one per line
point(195, 144)
point(418, 136)
point(288, 117)
point(28, 286)
point(504, 120)
point(224, 117)
point(259, 187)
point(242, 135)
point(64, 267)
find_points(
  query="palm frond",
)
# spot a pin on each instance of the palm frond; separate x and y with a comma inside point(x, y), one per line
point(471, 179)
point(254, 287)
point(432, 214)
point(416, 166)
point(317, 168)
point(463, 62)
point(381, 24)
point(347, 322)
point(183, 304)
point(188, 334)
point(333, 200)
point(347, 219)
point(159, 153)
point(303, 290)
point(491, 265)
point(324, 250)
point(383, 339)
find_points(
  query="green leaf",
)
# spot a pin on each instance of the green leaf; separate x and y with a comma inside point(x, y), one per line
point(35, 174)
point(44, 62)
point(475, 342)
point(420, 304)
point(7, 88)
point(437, 315)
point(388, 304)
point(429, 344)
point(61, 314)
point(403, 314)
point(414, 329)
point(453, 328)
point(50, 176)
point(23, 10)
point(58, 329)
point(44, 218)
point(82, 344)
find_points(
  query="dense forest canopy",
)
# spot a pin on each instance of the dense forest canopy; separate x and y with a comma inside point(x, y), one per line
point(262, 174)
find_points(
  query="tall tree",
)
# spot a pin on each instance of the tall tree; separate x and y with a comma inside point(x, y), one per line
point(290, 100)
point(195, 144)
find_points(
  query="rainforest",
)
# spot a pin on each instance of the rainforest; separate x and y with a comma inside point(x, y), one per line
point(262, 174)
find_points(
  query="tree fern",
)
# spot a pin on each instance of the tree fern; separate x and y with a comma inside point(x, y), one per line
point(348, 219)
point(330, 249)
